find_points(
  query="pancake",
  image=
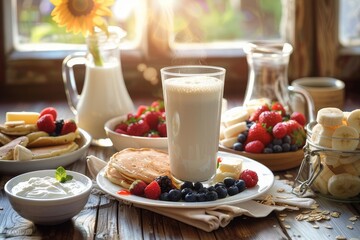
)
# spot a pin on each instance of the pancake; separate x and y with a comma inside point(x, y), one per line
point(39, 139)
point(115, 177)
point(53, 151)
point(7, 151)
point(18, 130)
point(131, 164)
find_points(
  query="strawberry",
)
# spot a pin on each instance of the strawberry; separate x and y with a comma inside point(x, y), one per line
point(49, 110)
point(299, 117)
point(46, 123)
point(152, 119)
point(254, 147)
point(270, 118)
point(121, 127)
point(141, 110)
point(158, 106)
point(296, 132)
point(276, 106)
point(250, 178)
point(137, 187)
point(279, 130)
point(255, 115)
point(258, 132)
point(162, 129)
point(153, 190)
point(68, 127)
point(139, 128)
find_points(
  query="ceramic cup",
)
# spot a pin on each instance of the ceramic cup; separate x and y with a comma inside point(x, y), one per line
point(325, 91)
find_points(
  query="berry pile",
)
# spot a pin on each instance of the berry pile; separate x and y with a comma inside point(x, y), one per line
point(271, 130)
point(149, 121)
point(163, 189)
point(49, 123)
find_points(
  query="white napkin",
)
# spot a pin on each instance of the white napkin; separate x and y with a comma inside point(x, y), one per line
point(211, 218)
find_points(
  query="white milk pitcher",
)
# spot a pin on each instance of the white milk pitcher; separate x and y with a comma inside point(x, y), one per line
point(104, 94)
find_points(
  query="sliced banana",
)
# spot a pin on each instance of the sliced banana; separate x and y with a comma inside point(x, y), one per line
point(321, 182)
point(321, 135)
point(330, 117)
point(353, 119)
point(228, 142)
point(235, 115)
point(235, 130)
point(344, 185)
point(345, 138)
point(21, 153)
point(330, 158)
point(353, 168)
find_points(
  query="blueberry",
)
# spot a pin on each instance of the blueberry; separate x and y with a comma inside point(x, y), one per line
point(211, 188)
point(221, 191)
point(238, 146)
point(201, 197)
point(268, 150)
point(203, 190)
point(285, 147)
point(277, 149)
point(164, 196)
point(233, 190)
point(219, 184)
point(277, 141)
point(287, 139)
point(229, 181)
point(242, 137)
point(294, 147)
point(190, 197)
point(187, 184)
point(240, 184)
point(198, 186)
point(211, 196)
point(185, 191)
point(174, 195)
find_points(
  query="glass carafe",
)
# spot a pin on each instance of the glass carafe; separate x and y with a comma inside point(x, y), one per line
point(268, 77)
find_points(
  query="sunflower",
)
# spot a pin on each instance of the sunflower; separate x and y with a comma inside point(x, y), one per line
point(81, 15)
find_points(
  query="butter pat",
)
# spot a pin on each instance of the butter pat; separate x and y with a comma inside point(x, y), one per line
point(27, 117)
point(231, 165)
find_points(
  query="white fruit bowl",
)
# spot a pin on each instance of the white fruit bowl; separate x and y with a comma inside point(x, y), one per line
point(122, 141)
point(48, 211)
point(338, 170)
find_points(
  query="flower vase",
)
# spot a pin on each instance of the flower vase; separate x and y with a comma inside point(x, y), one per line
point(104, 94)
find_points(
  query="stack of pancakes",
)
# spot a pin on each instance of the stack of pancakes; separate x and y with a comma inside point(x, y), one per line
point(20, 141)
point(131, 164)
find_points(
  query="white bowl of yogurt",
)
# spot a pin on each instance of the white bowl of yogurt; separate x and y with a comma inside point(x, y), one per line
point(40, 198)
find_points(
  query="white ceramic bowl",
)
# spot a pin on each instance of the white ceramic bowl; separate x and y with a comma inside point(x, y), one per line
point(122, 141)
point(48, 211)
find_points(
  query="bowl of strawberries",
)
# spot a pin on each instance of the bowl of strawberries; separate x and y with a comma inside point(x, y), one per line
point(267, 134)
point(144, 129)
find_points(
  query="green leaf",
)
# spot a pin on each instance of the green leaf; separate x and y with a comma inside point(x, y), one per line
point(61, 176)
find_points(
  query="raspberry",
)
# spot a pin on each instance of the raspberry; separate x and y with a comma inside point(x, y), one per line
point(254, 147)
point(46, 123)
point(250, 178)
point(137, 187)
point(280, 130)
point(153, 190)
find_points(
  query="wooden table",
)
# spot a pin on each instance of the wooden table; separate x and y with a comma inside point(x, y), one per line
point(104, 218)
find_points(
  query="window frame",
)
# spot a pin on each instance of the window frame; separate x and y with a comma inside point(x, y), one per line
point(311, 56)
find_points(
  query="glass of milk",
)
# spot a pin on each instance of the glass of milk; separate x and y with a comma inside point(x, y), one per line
point(193, 96)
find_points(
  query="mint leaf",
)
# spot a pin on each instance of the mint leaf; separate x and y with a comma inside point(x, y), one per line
point(61, 176)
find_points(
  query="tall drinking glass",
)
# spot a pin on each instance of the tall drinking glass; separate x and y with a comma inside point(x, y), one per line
point(193, 96)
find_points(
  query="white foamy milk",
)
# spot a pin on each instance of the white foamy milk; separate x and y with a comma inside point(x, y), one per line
point(98, 103)
point(193, 111)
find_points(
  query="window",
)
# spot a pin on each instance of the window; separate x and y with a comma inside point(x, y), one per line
point(349, 22)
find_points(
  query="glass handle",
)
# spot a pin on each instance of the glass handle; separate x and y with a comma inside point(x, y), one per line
point(308, 99)
point(71, 91)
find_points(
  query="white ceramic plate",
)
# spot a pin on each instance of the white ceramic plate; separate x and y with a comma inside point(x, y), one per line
point(266, 180)
point(16, 167)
